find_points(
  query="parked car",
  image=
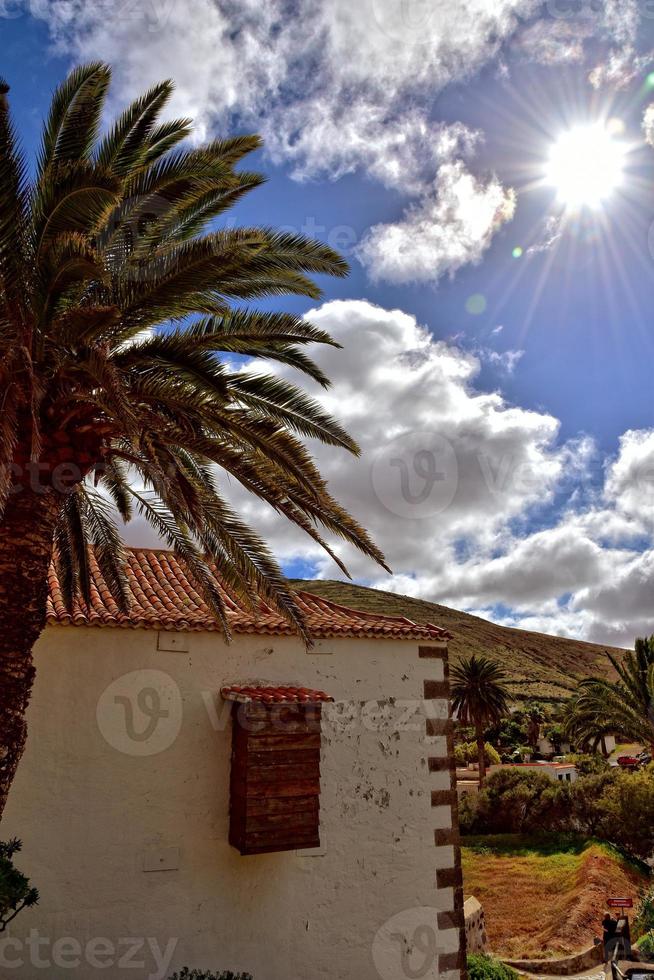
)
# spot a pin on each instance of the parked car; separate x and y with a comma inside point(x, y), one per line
point(629, 761)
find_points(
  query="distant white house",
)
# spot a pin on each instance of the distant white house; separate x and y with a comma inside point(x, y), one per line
point(548, 749)
point(562, 772)
point(467, 780)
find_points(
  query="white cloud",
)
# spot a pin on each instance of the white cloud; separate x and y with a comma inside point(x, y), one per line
point(442, 462)
point(619, 21)
point(296, 70)
point(549, 234)
point(335, 87)
point(337, 140)
point(453, 479)
point(554, 42)
point(452, 482)
point(451, 227)
point(648, 124)
point(629, 483)
point(505, 361)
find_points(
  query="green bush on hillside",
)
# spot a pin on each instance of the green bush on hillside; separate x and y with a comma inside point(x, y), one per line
point(646, 947)
point(612, 806)
point(515, 801)
point(589, 765)
point(484, 967)
point(644, 921)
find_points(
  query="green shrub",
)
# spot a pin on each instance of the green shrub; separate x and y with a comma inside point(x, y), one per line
point(484, 967)
point(644, 921)
point(646, 946)
point(466, 752)
point(589, 765)
point(629, 810)
point(187, 974)
point(517, 801)
point(16, 892)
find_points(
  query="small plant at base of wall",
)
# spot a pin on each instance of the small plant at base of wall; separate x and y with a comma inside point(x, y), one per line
point(16, 892)
point(187, 974)
point(484, 967)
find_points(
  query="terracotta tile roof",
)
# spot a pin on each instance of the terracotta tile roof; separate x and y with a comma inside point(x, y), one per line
point(269, 695)
point(164, 597)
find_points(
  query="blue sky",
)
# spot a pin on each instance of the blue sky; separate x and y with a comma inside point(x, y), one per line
point(414, 135)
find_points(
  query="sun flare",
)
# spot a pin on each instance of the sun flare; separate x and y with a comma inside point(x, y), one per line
point(586, 165)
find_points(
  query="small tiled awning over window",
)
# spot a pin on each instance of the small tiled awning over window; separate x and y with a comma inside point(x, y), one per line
point(275, 773)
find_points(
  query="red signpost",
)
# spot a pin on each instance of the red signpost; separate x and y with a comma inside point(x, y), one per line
point(620, 903)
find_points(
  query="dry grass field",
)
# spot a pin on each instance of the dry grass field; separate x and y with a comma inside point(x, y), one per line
point(544, 897)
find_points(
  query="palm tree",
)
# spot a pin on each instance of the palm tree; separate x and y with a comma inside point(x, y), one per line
point(118, 290)
point(534, 716)
point(626, 707)
point(480, 697)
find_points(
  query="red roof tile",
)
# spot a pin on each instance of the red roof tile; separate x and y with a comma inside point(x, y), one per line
point(164, 597)
point(269, 695)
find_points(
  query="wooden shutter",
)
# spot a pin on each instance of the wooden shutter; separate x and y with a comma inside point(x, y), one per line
point(275, 777)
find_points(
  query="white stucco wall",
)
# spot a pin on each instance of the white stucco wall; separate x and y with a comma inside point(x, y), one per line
point(96, 808)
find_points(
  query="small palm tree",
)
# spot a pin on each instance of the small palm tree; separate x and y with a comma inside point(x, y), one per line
point(534, 716)
point(626, 707)
point(480, 697)
point(118, 291)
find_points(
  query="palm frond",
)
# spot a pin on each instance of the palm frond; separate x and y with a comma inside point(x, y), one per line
point(120, 317)
point(74, 119)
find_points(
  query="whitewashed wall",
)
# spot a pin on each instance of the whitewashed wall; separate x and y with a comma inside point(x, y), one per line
point(99, 810)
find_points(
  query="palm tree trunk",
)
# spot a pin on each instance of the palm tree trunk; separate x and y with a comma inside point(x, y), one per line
point(26, 533)
point(481, 753)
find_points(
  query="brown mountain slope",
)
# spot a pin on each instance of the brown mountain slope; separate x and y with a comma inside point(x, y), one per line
point(541, 666)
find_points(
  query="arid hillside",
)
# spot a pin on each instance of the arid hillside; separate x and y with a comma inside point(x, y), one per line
point(545, 897)
point(541, 666)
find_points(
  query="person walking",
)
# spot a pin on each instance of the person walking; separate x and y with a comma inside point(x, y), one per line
point(609, 927)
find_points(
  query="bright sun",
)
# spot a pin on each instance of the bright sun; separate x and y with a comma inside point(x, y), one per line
point(585, 166)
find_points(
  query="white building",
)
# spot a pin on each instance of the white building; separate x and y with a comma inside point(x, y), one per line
point(562, 772)
point(123, 796)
